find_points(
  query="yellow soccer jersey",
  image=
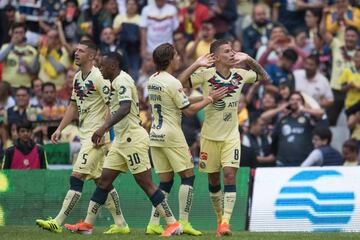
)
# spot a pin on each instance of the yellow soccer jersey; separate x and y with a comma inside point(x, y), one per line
point(91, 95)
point(167, 98)
point(129, 129)
point(221, 118)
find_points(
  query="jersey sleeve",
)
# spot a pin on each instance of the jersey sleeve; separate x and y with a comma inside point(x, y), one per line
point(73, 93)
point(178, 95)
point(198, 78)
point(343, 79)
point(123, 90)
point(250, 76)
point(103, 87)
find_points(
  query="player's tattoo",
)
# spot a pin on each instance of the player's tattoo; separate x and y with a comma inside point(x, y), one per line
point(256, 67)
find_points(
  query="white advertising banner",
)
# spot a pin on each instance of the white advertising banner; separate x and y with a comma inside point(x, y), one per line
point(325, 199)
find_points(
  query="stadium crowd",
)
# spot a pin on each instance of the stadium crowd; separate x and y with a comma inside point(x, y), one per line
point(306, 114)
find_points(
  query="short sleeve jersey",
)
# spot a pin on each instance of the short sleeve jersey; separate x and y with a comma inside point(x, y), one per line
point(123, 89)
point(92, 95)
point(221, 121)
point(167, 99)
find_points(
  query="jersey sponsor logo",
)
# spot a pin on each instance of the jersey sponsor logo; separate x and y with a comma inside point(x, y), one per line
point(154, 97)
point(233, 104)
point(202, 165)
point(227, 117)
point(155, 87)
point(83, 91)
point(301, 120)
point(219, 105)
point(106, 90)
point(203, 156)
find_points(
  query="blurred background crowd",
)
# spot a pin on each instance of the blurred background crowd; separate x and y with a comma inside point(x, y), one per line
point(307, 113)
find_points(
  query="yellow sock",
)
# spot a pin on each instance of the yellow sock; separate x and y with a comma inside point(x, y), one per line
point(229, 203)
point(216, 200)
point(113, 205)
point(185, 201)
point(70, 200)
point(93, 211)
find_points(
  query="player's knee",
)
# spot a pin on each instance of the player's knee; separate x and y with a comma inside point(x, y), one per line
point(100, 195)
point(188, 181)
point(166, 186)
point(76, 184)
point(214, 188)
point(229, 178)
point(104, 184)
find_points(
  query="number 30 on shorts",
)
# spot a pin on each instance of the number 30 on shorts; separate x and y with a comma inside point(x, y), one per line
point(133, 159)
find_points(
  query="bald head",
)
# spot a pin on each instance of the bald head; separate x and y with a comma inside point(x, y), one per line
point(259, 14)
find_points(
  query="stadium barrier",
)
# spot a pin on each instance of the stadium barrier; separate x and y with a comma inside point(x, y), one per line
point(322, 199)
point(28, 195)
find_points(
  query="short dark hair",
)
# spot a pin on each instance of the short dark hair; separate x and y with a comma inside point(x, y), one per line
point(23, 88)
point(323, 133)
point(351, 145)
point(218, 43)
point(90, 44)
point(163, 55)
point(351, 28)
point(315, 58)
point(209, 21)
point(299, 94)
point(24, 124)
point(116, 57)
point(47, 84)
point(18, 25)
point(290, 54)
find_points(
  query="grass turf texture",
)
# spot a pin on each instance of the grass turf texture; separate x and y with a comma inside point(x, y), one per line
point(35, 233)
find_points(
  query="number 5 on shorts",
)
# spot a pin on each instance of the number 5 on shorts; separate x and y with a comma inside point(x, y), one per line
point(85, 155)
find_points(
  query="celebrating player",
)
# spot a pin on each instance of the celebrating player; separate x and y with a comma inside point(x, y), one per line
point(129, 151)
point(169, 150)
point(89, 101)
point(220, 142)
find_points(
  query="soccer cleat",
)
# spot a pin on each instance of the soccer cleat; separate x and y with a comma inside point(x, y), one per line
point(188, 229)
point(81, 227)
point(172, 229)
point(114, 229)
point(224, 230)
point(49, 224)
point(154, 229)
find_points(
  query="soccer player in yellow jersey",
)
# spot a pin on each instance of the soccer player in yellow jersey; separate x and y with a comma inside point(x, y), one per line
point(129, 151)
point(220, 141)
point(89, 101)
point(169, 150)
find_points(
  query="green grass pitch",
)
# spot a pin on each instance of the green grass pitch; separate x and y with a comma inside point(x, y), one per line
point(35, 233)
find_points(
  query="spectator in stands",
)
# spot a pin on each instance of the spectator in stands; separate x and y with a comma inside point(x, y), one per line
point(111, 7)
point(6, 22)
point(350, 84)
point(224, 15)
point(127, 28)
point(68, 20)
point(302, 42)
point(18, 58)
point(22, 110)
point(283, 68)
point(312, 21)
point(158, 23)
point(323, 51)
point(313, 83)
point(258, 32)
point(342, 57)
point(354, 125)
point(323, 154)
point(147, 69)
point(201, 45)
point(65, 92)
point(52, 107)
point(291, 13)
point(259, 142)
point(36, 92)
point(236, 44)
point(350, 152)
point(53, 59)
point(180, 43)
point(25, 154)
point(191, 18)
point(341, 15)
point(6, 99)
point(292, 135)
point(108, 41)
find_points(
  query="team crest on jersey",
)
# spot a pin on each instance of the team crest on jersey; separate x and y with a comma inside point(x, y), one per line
point(84, 91)
point(301, 120)
point(203, 156)
point(106, 90)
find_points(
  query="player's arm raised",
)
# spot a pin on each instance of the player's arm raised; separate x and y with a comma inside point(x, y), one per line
point(214, 96)
point(243, 58)
point(70, 114)
point(123, 110)
point(204, 61)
